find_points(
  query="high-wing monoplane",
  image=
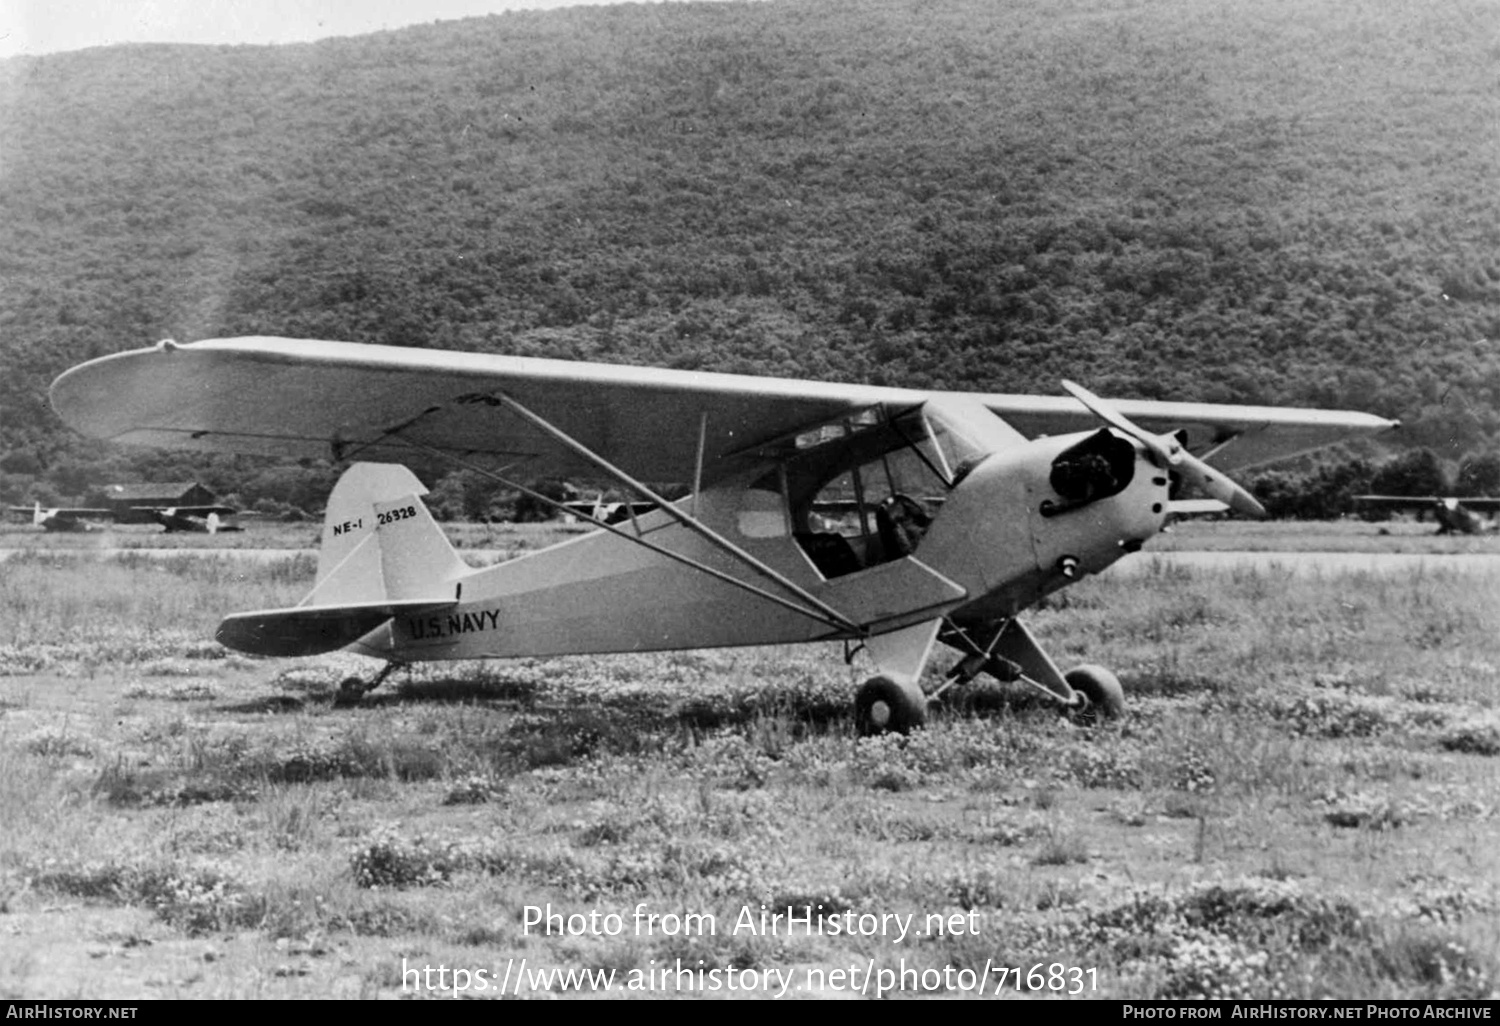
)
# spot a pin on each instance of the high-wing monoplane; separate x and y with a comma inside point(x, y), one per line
point(191, 519)
point(1454, 514)
point(885, 518)
point(600, 511)
point(65, 518)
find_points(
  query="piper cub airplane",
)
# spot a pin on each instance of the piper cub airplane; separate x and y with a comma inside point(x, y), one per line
point(65, 518)
point(886, 518)
point(1453, 515)
point(190, 519)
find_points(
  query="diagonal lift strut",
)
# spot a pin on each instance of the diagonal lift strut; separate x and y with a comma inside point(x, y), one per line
point(805, 603)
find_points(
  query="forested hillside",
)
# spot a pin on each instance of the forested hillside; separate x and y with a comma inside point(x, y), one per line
point(1291, 201)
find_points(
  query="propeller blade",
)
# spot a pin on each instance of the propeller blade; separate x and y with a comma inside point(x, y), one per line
point(1170, 453)
point(1164, 447)
point(1215, 484)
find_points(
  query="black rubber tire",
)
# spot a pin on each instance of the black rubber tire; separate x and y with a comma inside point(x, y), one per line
point(351, 690)
point(886, 703)
point(1105, 697)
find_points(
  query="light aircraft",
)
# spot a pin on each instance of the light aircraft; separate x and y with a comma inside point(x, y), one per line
point(65, 518)
point(1036, 492)
point(1454, 515)
point(600, 511)
point(190, 519)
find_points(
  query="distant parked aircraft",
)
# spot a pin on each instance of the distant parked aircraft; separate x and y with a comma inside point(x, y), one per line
point(600, 511)
point(191, 519)
point(1454, 515)
point(65, 518)
point(196, 519)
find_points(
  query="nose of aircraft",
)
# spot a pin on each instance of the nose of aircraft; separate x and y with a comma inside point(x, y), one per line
point(1076, 536)
point(1169, 453)
point(1008, 535)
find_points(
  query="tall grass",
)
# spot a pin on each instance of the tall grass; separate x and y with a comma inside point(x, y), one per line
point(1300, 804)
point(1174, 628)
point(50, 597)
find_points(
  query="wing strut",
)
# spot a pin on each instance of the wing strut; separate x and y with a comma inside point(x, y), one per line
point(687, 520)
point(1010, 654)
point(835, 620)
point(698, 463)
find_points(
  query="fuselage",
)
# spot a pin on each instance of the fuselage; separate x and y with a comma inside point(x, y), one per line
point(64, 524)
point(183, 523)
point(1453, 517)
point(1004, 526)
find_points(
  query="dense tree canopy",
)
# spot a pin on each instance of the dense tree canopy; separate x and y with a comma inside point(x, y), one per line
point(1285, 202)
point(1478, 474)
point(1418, 472)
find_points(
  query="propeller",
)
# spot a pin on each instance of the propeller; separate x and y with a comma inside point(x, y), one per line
point(1168, 452)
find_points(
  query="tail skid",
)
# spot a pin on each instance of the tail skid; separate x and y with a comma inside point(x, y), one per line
point(382, 555)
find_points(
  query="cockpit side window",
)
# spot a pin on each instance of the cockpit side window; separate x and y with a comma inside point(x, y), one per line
point(867, 495)
point(863, 489)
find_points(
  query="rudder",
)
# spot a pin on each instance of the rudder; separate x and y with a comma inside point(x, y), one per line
point(382, 556)
point(379, 541)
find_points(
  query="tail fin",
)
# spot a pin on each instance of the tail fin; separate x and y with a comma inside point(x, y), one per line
point(380, 542)
point(38, 518)
point(382, 553)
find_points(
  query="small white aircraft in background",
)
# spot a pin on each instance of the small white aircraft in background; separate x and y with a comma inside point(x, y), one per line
point(600, 511)
point(1454, 514)
point(191, 519)
point(885, 518)
point(75, 519)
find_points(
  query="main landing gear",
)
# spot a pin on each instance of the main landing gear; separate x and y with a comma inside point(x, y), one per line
point(1005, 651)
point(352, 689)
point(1103, 697)
point(887, 703)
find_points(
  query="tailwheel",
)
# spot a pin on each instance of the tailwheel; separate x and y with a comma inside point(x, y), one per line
point(351, 690)
point(1103, 697)
point(889, 703)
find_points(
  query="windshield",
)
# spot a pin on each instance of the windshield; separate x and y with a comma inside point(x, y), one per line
point(863, 490)
point(963, 432)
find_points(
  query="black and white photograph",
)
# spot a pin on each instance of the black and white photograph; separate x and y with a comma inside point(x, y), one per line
point(751, 499)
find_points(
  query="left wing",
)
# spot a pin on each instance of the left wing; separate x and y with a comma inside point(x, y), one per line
point(1227, 436)
point(349, 400)
point(65, 512)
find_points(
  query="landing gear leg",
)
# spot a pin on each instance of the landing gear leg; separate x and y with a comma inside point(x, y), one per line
point(893, 699)
point(352, 689)
point(1091, 694)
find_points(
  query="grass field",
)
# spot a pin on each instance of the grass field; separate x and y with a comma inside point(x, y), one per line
point(1404, 535)
point(1302, 803)
point(270, 534)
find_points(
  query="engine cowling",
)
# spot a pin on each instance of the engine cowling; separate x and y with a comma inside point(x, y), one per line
point(1031, 518)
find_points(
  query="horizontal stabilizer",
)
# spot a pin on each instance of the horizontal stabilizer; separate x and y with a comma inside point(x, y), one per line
point(311, 630)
